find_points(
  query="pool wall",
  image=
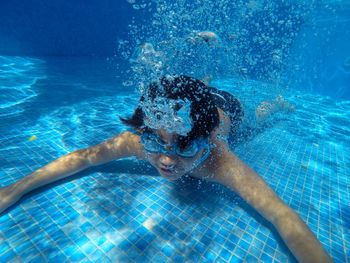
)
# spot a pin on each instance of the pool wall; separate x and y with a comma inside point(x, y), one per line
point(63, 28)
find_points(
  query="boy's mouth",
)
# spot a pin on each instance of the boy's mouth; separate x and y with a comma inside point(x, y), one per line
point(168, 171)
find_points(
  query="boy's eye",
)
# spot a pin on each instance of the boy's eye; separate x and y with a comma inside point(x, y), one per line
point(188, 148)
point(160, 141)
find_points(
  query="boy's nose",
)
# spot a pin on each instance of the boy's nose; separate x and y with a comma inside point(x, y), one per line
point(167, 161)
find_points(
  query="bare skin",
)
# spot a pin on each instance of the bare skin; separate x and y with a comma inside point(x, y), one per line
point(222, 166)
point(209, 37)
point(267, 108)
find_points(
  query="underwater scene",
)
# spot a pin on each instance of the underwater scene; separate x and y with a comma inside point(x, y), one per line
point(175, 131)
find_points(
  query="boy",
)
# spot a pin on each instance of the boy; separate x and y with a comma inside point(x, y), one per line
point(180, 127)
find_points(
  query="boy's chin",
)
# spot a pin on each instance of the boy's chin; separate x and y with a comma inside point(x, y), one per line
point(170, 176)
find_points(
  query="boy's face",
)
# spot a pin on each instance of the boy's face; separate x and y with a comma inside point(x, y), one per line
point(170, 165)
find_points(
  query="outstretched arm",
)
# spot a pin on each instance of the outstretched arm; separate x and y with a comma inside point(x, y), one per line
point(237, 176)
point(123, 145)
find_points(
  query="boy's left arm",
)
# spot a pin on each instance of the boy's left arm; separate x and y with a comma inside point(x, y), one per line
point(237, 176)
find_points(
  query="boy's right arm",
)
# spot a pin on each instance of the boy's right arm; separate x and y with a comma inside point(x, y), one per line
point(124, 145)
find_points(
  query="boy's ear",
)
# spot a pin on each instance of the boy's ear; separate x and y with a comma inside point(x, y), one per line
point(214, 134)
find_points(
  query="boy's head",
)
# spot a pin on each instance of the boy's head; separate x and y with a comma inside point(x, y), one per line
point(179, 104)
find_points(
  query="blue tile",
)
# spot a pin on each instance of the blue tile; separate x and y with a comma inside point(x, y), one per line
point(60, 257)
point(77, 256)
point(168, 206)
point(75, 235)
point(168, 250)
point(6, 223)
point(239, 252)
point(242, 224)
point(181, 235)
point(133, 224)
point(13, 231)
point(134, 213)
point(225, 254)
point(149, 237)
point(269, 251)
point(200, 247)
point(230, 246)
point(100, 240)
point(270, 240)
point(178, 258)
point(69, 250)
point(103, 213)
point(57, 234)
point(142, 231)
point(251, 258)
point(111, 220)
point(4, 247)
point(184, 216)
point(7, 256)
point(134, 237)
point(210, 256)
point(206, 240)
point(201, 227)
point(209, 233)
point(86, 227)
point(157, 229)
point(261, 236)
point(224, 232)
point(118, 224)
point(48, 250)
point(98, 254)
point(62, 241)
point(176, 211)
point(155, 206)
point(141, 218)
point(125, 245)
point(159, 258)
point(193, 256)
point(82, 241)
point(219, 239)
point(141, 207)
point(266, 258)
point(33, 230)
point(237, 259)
point(171, 228)
point(107, 246)
point(215, 227)
point(134, 193)
point(141, 244)
point(40, 245)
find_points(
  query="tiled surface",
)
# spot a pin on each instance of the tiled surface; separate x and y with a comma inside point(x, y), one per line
point(123, 211)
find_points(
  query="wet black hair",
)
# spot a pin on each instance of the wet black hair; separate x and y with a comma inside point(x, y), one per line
point(204, 113)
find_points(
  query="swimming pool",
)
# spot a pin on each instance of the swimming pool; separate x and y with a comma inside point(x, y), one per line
point(124, 211)
point(69, 69)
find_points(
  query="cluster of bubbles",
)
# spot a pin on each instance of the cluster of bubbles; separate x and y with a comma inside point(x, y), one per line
point(205, 39)
point(160, 114)
point(208, 39)
point(211, 38)
point(139, 5)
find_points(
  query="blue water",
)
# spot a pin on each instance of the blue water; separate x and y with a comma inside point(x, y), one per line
point(124, 210)
point(65, 80)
